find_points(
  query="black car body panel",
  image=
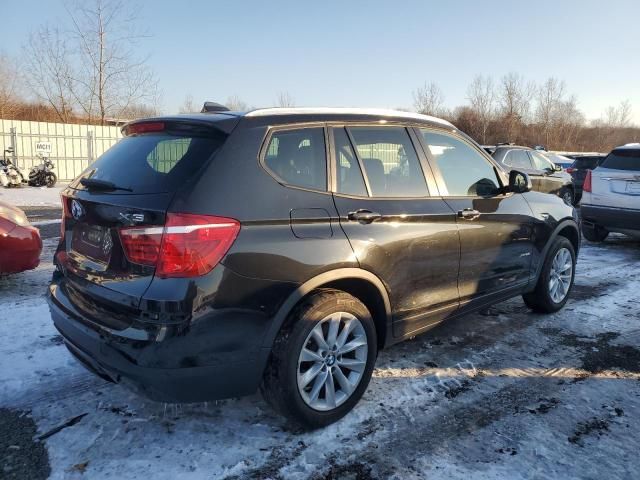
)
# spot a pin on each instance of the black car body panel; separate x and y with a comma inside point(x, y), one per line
point(417, 261)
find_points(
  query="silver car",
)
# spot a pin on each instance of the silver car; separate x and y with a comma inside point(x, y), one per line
point(611, 195)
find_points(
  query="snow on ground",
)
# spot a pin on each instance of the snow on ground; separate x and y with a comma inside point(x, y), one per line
point(503, 394)
point(32, 196)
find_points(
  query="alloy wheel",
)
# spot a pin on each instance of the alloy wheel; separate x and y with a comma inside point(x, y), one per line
point(560, 275)
point(332, 361)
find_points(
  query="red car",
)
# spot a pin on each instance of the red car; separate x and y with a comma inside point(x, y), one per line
point(20, 243)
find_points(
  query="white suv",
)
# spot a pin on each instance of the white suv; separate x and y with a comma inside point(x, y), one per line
point(611, 195)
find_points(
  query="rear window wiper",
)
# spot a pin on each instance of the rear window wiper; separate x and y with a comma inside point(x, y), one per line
point(95, 184)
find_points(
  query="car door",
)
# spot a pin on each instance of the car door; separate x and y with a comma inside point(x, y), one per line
point(495, 228)
point(545, 176)
point(398, 230)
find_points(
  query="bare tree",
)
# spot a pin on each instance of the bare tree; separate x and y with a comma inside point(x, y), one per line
point(549, 96)
point(481, 96)
point(48, 70)
point(10, 98)
point(618, 117)
point(110, 77)
point(429, 99)
point(285, 100)
point(514, 98)
point(236, 104)
point(188, 106)
point(568, 121)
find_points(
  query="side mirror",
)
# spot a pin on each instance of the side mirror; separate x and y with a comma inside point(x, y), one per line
point(519, 182)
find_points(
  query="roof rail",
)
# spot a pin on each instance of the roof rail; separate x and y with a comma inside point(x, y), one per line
point(261, 112)
point(209, 107)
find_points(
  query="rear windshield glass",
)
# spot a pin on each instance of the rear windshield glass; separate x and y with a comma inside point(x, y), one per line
point(153, 163)
point(623, 160)
point(586, 162)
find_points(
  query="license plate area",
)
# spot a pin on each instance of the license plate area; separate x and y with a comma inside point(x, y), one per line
point(93, 241)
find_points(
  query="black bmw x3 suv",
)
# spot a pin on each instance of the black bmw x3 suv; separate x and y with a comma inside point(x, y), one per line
point(211, 255)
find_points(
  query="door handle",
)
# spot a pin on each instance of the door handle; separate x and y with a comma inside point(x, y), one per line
point(468, 214)
point(363, 216)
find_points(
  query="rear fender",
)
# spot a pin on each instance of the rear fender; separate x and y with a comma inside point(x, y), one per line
point(326, 279)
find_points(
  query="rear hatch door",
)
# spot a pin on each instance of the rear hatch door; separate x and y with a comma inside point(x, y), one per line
point(616, 183)
point(130, 187)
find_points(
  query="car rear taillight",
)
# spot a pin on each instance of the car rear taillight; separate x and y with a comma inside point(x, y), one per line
point(65, 215)
point(571, 170)
point(586, 186)
point(187, 246)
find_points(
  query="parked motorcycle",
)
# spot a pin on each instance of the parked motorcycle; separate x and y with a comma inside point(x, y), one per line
point(42, 175)
point(11, 175)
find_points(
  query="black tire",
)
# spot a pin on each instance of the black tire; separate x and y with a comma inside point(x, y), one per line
point(50, 180)
point(594, 233)
point(566, 194)
point(540, 300)
point(280, 383)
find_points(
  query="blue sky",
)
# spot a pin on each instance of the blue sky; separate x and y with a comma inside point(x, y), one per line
point(373, 53)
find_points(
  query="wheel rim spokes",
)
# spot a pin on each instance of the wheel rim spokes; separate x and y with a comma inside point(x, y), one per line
point(332, 361)
point(560, 275)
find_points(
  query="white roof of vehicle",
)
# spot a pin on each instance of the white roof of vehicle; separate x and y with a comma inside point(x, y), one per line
point(380, 112)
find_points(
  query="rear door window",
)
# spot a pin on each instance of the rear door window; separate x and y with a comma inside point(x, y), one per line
point(349, 176)
point(390, 161)
point(297, 157)
point(623, 160)
point(153, 163)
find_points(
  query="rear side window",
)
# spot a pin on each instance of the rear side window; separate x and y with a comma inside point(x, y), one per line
point(349, 181)
point(623, 160)
point(518, 159)
point(154, 163)
point(390, 161)
point(298, 157)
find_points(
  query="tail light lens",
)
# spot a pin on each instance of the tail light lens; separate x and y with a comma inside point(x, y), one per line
point(65, 215)
point(586, 186)
point(571, 170)
point(187, 246)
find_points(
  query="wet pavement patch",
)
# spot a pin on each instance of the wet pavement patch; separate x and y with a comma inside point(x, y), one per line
point(600, 355)
point(585, 292)
point(350, 471)
point(21, 456)
point(544, 405)
point(595, 426)
point(457, 390)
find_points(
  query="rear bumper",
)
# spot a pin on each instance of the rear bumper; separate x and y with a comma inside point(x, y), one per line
point(610, 218)
point(154, 360)
point(20, 250)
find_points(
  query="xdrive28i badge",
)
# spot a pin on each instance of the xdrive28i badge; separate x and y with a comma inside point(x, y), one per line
point(77, 210)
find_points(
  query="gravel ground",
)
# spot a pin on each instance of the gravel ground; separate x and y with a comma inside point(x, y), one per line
point(502, 394)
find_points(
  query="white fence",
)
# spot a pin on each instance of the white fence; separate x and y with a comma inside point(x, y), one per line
point(74, 147)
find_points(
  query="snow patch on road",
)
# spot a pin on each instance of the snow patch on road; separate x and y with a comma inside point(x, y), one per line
point(32, 196)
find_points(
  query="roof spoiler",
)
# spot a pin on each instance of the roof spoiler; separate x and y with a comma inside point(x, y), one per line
point(210, 107)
